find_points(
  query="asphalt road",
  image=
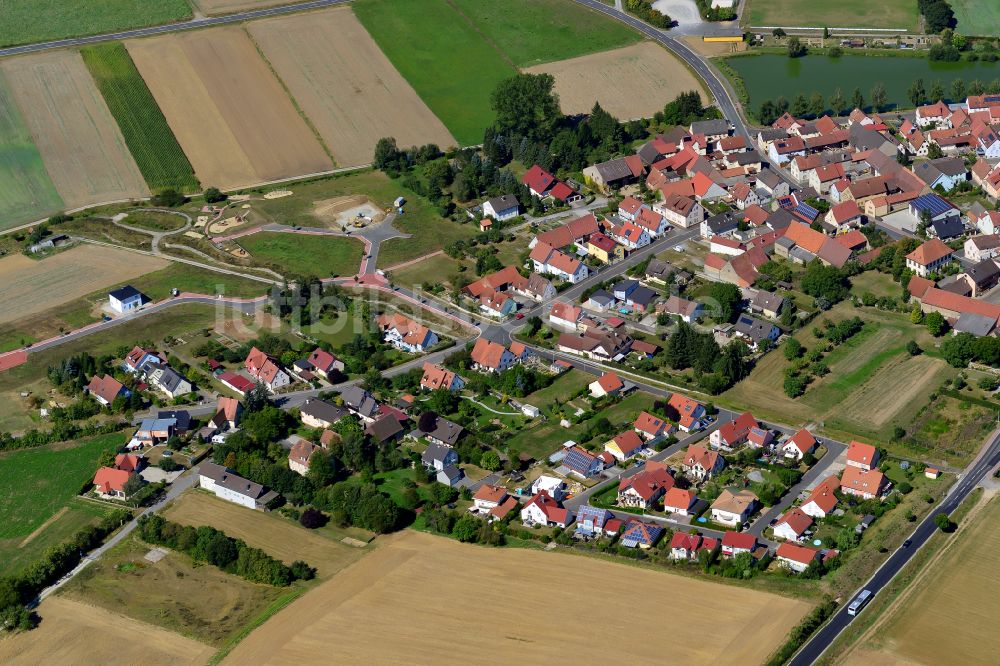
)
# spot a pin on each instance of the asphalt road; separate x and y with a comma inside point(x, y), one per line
point(973, 474)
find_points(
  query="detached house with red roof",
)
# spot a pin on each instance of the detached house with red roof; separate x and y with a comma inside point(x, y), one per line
point(265, 369)
point(823, 499)
point(680, 211)
point(649, 427)
point(608, 384)
point(109, 482)
point(105, 389)
point(638, 534)
point(685, 546)
point(404, 333)
point(644, 489)
point(937, 114)
point(866, 484)
point(538, 181)
point(796, 558)
point(733, 433)
point(929, 257)
point(734, 543)
point(625, 445)
point(565, 315)
point(679, 501)
point(690, 412)
point(700, 463)
point(550, 261)
point(863, 456)
point(323, 362)
point(489, 356)
point(792, 525)
point(300, 455)
point(798, 445)
point(543, 510)
point(437, 377)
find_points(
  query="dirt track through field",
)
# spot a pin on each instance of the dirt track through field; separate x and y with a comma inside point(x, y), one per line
point(79, 141)
point(72, 633)
point(345, 85)
point(910, 376)
point(230, 114)
point(631, 82)
point(233, 6)
point(30, 286)
point(421, 599)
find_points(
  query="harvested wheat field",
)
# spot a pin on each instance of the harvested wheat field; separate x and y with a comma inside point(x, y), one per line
point(73, 633)
point(276, 536)
point(345, 85)
point(948, 611)
point(230, 114)
point(631, 82)
point(80, 143)
point(422, 599)
point(31, 286)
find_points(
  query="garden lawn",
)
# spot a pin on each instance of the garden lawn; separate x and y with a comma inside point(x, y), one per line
point(150, 140)
point(562, 389)
point(844, 14)
point(531, 32)
point(304, 255)
point(36, 483)
point(447, 60)
point(26, 191)
point(976, 17)
point(29, 21)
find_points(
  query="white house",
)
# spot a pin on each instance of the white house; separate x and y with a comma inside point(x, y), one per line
point(233, 488)
point(550, 485)
point(680, 211)
point(798, 445)
point(169, 382)
point(822, 500)
point(631, 236)
point(565, 315)
point(792, 525)
point(126, 299)
point(550, 261)
point(794, 557)
point(543, 510)
point(502, 208)
point(985, 246)
point(934, 114)
point(406, 334)
point(732, 508)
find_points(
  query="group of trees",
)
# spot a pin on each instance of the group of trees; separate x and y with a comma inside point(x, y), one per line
point(960, 350)
point(360, 504)
point(717, 368)
point(826, 283)
point(207, 544)
point(55, 562)
point(937, 14)
point(644, 10)
point(816, 105)
point(710, 13)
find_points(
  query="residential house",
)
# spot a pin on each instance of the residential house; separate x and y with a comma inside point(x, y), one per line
point(650, 427)
point(538, 288)
point(444, 432)
point(933, 208)
point(105, 389)
point(755, 331)
point(538, 181)
point(497, 304)
point(607, 384)
point(631, 235)
point(169, 382)
point(385, 428)
point(733, 433)
point(543, 510)
point(152, 432)
point(735, 543)
point(502, 208)
point(823, 499)
point(979, 248)
point(552, 486)
point(595, 343)
point(231, 487)
point(679, 501)
point(591, 522)
point(614, 174)
point(792, 525)
point(300, 455)
point(109, 482)
point(129, 462)
point(744, 196)
point(506, 279)
point(450, 475)
point(700, 463)
point(228, 412)
point(687, 311)
point(863, 456)
point(265, 369)
point(488, 497)
point(625, 445)
point(139, 359)
point(652, 222)
point(550, 261)
point(317, 413)
point(796, 558)
point(604, 248)
point(437, 456)
point(680, 211)
point(645, 488)
point(324, 363)
point(929, 257)
point(798, 445)
point(690, 412)
point(489, 356)
point(945, 172)
point(844, 215)
point(638, 534)
point(866, 484)
point(684, 546)
point(406, 334)
point(437, 377)
point(937, 114)
point(360, 402)
point(764, 302)
point(733, 507)
point(126, 299)
point(573, 232)
point(759, 438)
point(565, 315)
point(582, 463)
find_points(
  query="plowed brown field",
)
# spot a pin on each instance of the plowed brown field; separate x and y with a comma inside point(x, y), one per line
point(231, 115)
point(631, 82)
point(345, 85)
point(421, 599)
point(74, 633)
point(79, 141)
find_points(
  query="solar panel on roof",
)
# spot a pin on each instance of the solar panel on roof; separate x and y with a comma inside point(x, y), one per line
point(933, 203)
point(807, 210)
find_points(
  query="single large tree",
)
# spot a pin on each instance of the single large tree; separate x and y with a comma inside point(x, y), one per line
point(525, 104)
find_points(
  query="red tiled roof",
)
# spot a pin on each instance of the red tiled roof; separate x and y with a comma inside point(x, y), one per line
point(797, 520)
point(109, 479)
point(609, 381)
point(796, 553)
point(740, 540)
point(538, 179)
point(931, 251)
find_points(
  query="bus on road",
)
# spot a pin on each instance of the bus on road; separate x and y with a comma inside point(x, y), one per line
point(860, 602)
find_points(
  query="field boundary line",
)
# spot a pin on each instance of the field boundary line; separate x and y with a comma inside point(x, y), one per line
point(475, 28)
point(41, 528)
point(404, 264)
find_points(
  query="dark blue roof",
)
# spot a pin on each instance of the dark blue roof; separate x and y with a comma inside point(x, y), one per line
point(579, 460)
point(126, 292)
point(933, 203)
point(806, 211)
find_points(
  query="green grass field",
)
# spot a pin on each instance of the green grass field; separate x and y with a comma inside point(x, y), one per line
point(149, 138)
point(158, 284)
point(26, 192)
point(845, 14)
point(976, 17)
point(301, 254)
point(30, 21)
point(36, 483)
point(532, 32)
point(445, 59)
point(16, 554)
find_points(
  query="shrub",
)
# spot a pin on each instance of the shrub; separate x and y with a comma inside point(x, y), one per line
point(312, 519)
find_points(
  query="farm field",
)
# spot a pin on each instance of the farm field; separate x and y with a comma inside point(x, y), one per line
point(873, 385)
point(345, 85)
point(154, 147)
point(83, 149)
point(34, 286)
point(303, 254)
point(17, 553)
point(421, 586)
point(277, 536)
point(977, 18)
point(232, 6)
point(70, 629)
point(847, 14)
point(958, 591)
point(197, 601)
point(454, 76)
point(536, 31)
point(228, 111)
point(29, 21)
point(26, 191)
point(631, 82)
point(36, 483)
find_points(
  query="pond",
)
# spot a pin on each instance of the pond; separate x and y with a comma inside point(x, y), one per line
point(771, 76)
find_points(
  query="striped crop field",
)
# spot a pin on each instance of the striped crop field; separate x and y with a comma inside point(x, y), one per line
point(150, 140)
